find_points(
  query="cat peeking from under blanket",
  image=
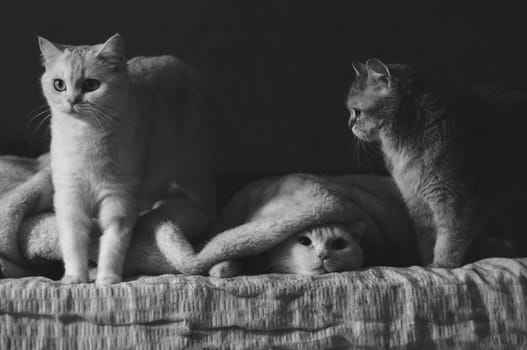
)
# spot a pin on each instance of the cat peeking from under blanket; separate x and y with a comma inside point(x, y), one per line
point(315, 251)
point(127, 136)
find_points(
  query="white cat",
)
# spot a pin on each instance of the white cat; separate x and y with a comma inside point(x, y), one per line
point(318, 250)
point(125, 134)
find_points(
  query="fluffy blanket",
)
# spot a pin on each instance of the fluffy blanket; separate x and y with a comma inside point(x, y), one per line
point(478, 306)
point(258, 217)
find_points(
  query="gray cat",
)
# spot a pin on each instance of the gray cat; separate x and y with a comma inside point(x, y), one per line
point(451, 154)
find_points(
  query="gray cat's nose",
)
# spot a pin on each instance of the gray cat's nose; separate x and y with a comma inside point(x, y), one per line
point(323, 256)
point(351, 121)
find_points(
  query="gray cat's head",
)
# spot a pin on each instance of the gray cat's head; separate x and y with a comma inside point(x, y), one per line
point(319, 250)
point(375, 97)
point(84, 81)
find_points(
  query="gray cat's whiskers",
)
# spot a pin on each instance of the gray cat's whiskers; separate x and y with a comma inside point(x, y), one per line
point(372, 150)
point(365, 152)
point(356, 151)
point(361, 153)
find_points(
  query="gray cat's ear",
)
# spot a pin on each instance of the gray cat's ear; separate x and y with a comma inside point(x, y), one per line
point(359, 68)
point(377, 70)
point(113, 47)
point(49, 50)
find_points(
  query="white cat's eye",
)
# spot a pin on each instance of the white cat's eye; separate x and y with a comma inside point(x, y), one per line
point(339, 244)
point(59, 85)
point(90, 85)
point(304, 240)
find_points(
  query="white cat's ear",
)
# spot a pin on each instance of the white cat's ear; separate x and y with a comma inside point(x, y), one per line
point(359, 68)
point(49, 50)
point(113, 47)
point(377, 70)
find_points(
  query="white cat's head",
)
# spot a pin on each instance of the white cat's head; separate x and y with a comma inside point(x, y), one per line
point(319, 250)
point(86, 82)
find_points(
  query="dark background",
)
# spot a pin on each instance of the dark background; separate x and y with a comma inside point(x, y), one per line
point(279, 69)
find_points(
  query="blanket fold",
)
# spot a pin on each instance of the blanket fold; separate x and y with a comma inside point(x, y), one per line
point(267, 212)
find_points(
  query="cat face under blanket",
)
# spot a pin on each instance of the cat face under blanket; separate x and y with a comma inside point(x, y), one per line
point(319, 250)
point(437, 144)
point(314, 251)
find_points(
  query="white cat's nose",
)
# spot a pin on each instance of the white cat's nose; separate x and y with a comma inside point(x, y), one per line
point(323, 255)
point(74, 99)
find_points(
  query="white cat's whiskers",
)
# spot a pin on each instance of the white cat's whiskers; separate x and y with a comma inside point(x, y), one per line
point(104, 117)
point(36, 112)
point(44, 116)
point(35, 134)
point(98, 123)
point(278, 265)
point(108, 126)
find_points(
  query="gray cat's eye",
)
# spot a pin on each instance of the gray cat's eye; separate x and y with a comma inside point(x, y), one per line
point(356, 112)
point(304, 240)
point(90, 85)
point(59, 85)
point(339, 244)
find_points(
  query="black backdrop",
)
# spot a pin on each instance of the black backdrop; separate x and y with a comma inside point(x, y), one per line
point(279, 69)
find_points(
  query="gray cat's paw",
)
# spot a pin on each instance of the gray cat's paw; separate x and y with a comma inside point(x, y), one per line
point(105, 280)
point(444, 265)
point(226, 269)
point(74, 279)
point(447, 258)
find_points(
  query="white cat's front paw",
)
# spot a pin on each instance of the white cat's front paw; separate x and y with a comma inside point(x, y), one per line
point(92, 274)
point(74, 279)
point(225, 269)
point(108, 279)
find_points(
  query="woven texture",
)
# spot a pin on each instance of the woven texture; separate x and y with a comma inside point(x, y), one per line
point(479, 306)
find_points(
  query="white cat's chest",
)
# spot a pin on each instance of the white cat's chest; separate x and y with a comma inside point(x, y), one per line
point(83, 160)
